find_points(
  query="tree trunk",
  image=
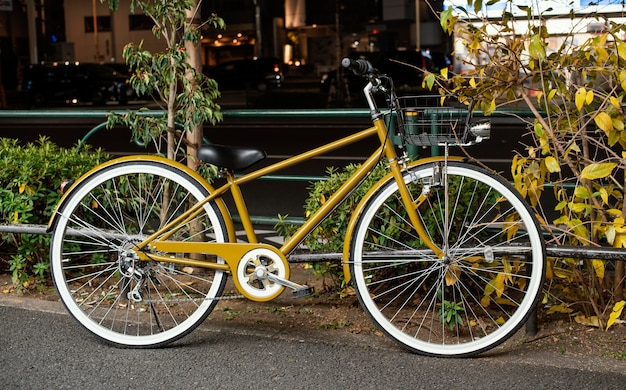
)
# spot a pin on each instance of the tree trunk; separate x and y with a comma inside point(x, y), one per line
point(194, 138)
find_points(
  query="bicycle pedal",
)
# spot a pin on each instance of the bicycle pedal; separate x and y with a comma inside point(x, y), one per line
point(303, 291)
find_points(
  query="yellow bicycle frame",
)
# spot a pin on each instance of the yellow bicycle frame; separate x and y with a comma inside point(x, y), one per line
point(161, 249)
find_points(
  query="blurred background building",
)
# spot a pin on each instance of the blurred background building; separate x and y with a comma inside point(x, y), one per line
point(313, 33)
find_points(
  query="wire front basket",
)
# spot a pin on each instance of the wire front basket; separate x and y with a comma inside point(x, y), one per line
point(437, 120)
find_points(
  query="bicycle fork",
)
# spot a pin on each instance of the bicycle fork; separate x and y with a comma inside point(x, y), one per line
point(438, 179)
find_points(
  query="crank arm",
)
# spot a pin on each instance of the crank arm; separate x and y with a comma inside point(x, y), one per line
point(299, 290)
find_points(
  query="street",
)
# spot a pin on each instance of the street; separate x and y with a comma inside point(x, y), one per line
point(44, 348)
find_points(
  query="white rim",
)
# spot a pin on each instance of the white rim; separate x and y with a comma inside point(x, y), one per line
point(57, 269)
point(483, 343)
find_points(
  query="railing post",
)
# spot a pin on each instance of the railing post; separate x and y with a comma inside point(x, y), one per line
point(434, 130)
point(411, 128)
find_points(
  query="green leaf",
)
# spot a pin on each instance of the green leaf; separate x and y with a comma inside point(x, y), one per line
point(429, 80)
point(537, 48)
point(478, 5)
point(447, 20)
point(582, 193)
point(597, 171)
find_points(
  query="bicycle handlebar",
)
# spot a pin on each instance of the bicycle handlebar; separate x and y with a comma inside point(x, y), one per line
point(377, 82)
point(359, 67)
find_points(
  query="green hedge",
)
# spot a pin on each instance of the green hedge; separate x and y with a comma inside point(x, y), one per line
point(30, 178)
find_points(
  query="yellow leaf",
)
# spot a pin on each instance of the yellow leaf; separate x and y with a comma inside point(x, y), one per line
point(552, 164)
point(597, 170)
point(562, 274)
point(589, 321)
point(498, 284)
point(621, 50)
point(15, 217)
point(620, 241)
point(581, 95)
point(472, 83)
point(618, 222)
point(598, 267)
point(604, 195)
point(614, 212)
point(622, 78)
point(561, 308)
point(444, 73)
point(562, 220)
point(601, 53)
point(604, 122)
point(484, 302)
point(474, 45)
point(615, 102)
point(500, 321)
point(578, 207)
point(589, 97)
point(615, 314)
point(610, 234)
point(574, 147)
point(578, 228)
point(22, 188)
point(452, 274)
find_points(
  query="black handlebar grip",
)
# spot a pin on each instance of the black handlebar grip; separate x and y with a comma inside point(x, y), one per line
point(359, 67)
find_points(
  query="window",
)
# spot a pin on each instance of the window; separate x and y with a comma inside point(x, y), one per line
point(139, 22)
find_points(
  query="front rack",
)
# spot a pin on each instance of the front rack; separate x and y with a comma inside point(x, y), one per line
point(439, 120)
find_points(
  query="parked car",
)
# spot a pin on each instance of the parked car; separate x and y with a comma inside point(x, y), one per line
point(75, 83)
point(260, 74)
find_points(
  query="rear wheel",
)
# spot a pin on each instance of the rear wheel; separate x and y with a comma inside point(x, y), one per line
point(484, 287)
point(96, 270)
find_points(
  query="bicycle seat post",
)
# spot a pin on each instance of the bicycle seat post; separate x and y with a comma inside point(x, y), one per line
point(240, 204)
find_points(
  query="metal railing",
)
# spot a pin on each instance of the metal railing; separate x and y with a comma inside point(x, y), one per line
point(603, 253)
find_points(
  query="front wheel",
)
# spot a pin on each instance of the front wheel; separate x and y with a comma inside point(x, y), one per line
point(95, 267)
point(471, 298)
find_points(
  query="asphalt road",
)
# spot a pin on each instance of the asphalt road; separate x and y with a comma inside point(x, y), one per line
point(43, 348)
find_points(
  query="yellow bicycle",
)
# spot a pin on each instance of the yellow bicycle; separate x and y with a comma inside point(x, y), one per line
point(446, 258)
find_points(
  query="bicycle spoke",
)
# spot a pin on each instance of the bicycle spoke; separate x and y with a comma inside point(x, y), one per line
point(473, 297)
point(101, 279)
